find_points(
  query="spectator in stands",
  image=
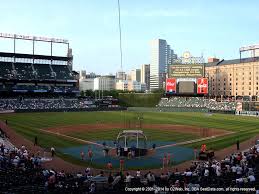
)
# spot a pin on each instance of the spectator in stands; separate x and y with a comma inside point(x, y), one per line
point(110, 179)
point(128, 179)
point(88, 172)
point(138, 174)
point(92, 187)
point(150, 179)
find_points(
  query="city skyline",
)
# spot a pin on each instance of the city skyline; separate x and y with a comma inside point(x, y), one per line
point(216, 28)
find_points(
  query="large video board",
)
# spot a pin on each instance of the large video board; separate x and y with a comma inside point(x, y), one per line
point(186, 70)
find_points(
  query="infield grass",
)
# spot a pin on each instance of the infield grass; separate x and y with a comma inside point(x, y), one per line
point(27, 124)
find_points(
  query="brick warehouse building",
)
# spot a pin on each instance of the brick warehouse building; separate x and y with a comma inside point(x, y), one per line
point(237, 77)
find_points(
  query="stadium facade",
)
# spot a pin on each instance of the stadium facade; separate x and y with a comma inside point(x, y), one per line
point(34, 74)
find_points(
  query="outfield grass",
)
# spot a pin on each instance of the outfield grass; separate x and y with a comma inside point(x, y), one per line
point(27, 124)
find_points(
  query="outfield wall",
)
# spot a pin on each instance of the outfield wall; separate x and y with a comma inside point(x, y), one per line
point(72, 110)
point(167, 109)
point(177, 109)
point(139, 99)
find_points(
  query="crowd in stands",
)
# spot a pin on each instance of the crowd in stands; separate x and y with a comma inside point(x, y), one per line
point(197, 102)
point(43, 88)
point(22, 172)
point(44, 103)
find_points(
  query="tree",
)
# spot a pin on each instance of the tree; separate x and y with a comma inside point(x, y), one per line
point(82, 93)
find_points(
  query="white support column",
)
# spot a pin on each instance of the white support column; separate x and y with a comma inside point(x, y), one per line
point(125, 141)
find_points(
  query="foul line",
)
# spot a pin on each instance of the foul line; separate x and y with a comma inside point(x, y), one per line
point(193, 141)
point(74, 138)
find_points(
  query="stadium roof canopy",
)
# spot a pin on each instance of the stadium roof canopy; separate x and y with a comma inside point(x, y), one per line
point(30, 56)
point(232, 61)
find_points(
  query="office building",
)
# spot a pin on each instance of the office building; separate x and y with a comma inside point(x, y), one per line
point(145, 75)
point(104, 83)
point(122, 85)
point(159, 62)
point(86, 81)
point(135, 75)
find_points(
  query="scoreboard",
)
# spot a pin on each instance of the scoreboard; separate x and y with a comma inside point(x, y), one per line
point(186, 79)
point(186, 70)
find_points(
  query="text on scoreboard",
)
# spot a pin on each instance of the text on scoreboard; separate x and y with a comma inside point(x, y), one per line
point(188, 70)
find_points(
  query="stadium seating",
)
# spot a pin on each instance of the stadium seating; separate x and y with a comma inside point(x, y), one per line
point(24, 71)
point(196, 102)
point(30, 87)
point(43, 72)
point(62, 72)
point(6, 70)
point(21, 172)
point(43, 104)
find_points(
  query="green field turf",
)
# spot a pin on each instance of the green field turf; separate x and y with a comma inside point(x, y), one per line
point(27, 124)
point(152, 134)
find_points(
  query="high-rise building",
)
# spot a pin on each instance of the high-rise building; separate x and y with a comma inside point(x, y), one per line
point(122, 85)
point(173, 57)
point(168, 57)
point(86, 81)
point(136, 86)
point(160, 58)
point(82, 73)
point(104, 83)
point(135, 75)
point(121, 75)
point(138, 75)
point(145, 75)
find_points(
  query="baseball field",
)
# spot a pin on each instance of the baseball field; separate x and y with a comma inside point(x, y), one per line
point(70, 129)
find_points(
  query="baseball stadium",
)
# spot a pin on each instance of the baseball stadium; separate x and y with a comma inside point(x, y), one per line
point(71, 144)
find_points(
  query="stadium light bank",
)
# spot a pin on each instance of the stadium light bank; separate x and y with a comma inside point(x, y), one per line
point(35, 38)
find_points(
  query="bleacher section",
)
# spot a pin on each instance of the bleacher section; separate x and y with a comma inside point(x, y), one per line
point(196, 102)
point(6, 70)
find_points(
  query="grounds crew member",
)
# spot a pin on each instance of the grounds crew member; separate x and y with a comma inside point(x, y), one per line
point(52, 149)
point(35, 141)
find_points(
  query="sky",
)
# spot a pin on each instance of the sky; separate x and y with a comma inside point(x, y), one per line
point(203, 27)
